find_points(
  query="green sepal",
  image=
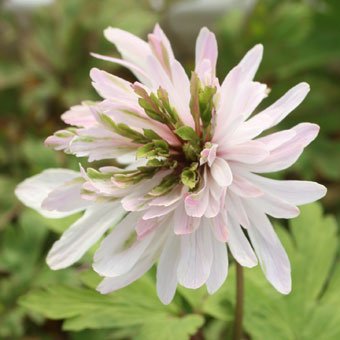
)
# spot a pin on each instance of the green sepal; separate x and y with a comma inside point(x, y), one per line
point(190, 177)
point(206, 104)
point(166, 185)
point(123, 130)
point(187, 133)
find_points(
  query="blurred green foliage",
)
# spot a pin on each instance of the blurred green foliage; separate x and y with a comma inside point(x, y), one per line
point(44, 65)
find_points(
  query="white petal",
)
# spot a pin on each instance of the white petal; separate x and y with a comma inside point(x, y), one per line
point(286, 104)
point(251, 61)
point(112, 259)
point(132, 48)
point(239, 245)
point(294, 192)
point(34, 190)
point(219, 268)
point(81, 235)
point(221, 172)
point(235, 208)
point(219, 227)
point(67, 198)
point(167, 269)
point(272, 256)
point(249, 152)
point(244, 188)
point(184, 224)
point(196, 258)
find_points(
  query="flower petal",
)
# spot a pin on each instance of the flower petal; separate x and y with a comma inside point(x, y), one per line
point(221, 172)
point(34, 190)
point(239, 245)
point(251, 61)
point(167, 269)
point(85, 232)
point(196, 258)
point(219, 268)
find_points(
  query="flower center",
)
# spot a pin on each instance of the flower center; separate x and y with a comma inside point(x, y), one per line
point(190, 148)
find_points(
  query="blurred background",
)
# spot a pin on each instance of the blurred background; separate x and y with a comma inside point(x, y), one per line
point(45, 60)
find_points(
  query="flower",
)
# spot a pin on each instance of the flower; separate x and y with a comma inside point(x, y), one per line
point(183, 180)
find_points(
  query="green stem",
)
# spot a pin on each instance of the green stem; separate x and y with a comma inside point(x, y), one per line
point(238, 321)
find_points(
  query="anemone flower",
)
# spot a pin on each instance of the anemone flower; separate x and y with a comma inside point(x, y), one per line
point(183, 177)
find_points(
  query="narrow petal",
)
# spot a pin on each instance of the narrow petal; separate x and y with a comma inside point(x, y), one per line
point(184, 224)
point(221, 172)
point(249, 152)
point(286, 104)
point(196, 258)
point(219, 227)
point(294, 192)
point(67, 198)
point(83, 234)
point(272, 256)
point(80, 115)
point(219, 268)
point(239, 245)
point(251, 61)
point(34, 190)
point(167, 269)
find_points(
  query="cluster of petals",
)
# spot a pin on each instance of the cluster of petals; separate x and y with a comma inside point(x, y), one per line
point(187, 233)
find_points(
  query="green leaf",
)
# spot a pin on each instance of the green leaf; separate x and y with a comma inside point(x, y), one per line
point(187, 133)
point(306, 312)
point(170, 328)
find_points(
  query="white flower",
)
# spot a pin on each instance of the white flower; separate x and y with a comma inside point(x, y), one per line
point(190, 187)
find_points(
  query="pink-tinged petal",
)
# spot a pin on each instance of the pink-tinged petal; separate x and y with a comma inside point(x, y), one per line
point(244, 188)
point(157, 211)
point(131, 48)
point(276, 207)
point(274, 140)
point(144, 227)
point(196, 258)
point(99, 143)
point(168, 199)
point(250, 129)
point(178, 93)
point(249, 152)
point(221, 172)
point(286, 104)
point(251, 61)
point(208, 154)
point(34, 190)
point(80, 115)
point(271, 254)
point(161, 48)
point(294, 192)
point(66, 198)
point(137, 71)
point(83, 234)
point(114, 263)
point(197, 202)
point(184, 224)
point(219, 268)
point(239, 245)
point(167, 269)
point(206, 51)
point(287, 154)
point(60, 140)
point(235, 207)
point(111, 284)
point(109, 86)
point(219, 227)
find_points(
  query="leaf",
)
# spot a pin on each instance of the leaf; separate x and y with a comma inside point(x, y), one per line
point(169, 328)
point(135, 307)
point(305, 312)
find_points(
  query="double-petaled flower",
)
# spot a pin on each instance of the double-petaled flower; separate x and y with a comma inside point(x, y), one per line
point(183, 177)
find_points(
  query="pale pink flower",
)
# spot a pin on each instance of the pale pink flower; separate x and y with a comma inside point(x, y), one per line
point(192, 183)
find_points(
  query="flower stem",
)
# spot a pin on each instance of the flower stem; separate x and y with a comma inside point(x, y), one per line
point(238, 321)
